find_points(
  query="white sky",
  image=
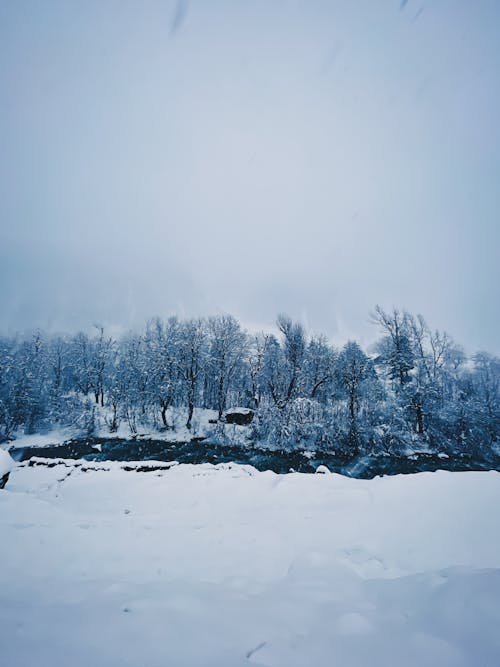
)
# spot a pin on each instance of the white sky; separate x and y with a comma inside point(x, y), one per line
point(254, 157)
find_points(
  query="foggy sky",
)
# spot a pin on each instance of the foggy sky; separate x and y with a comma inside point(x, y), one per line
point(310, 157)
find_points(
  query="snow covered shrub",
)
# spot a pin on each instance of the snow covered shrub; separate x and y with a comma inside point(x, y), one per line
point(302, 424)
point(88, 418)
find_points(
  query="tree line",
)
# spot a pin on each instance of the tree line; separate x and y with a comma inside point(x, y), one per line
point(415, 389)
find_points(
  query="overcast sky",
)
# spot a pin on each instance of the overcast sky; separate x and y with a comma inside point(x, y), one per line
point(250, 157)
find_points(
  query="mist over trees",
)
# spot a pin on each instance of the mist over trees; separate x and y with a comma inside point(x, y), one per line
point(414, 390)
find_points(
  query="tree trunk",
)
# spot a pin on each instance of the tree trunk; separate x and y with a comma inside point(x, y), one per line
point(164, 414)
point(114, 421)
point(420, 416)
point(220, 396)
point(190, 413)
point(190, 399)
point(353, 434)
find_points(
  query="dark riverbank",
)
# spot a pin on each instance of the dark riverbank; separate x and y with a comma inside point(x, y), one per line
point(363, 467)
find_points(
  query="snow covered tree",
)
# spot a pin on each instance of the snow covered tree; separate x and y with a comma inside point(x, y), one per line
point(396, 349)
point(192, 360)
point(256, 350)
point(284, 362)
point(353, 368)
point(420, 391)
point(227, 346)
point(319, 369)
point(100, 350)
point(162, 341)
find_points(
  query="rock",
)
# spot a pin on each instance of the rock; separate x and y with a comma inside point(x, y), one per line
point(239, 416)
point(322, 470)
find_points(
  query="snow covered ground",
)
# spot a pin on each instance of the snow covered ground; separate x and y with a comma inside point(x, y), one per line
point(224, 566)
point(202, 426)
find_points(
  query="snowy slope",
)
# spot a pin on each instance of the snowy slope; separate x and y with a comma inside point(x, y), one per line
point(224, 566)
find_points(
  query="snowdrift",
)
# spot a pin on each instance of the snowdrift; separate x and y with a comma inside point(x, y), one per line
point(222, 566)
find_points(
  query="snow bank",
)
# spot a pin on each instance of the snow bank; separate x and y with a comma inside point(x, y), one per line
point(202, 426)
point(52, 437)
point(7, 464)
point(225, 566)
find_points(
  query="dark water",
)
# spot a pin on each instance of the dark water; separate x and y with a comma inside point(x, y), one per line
point(364, 467)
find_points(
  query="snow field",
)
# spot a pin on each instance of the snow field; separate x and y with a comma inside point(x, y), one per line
point(224, 566)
